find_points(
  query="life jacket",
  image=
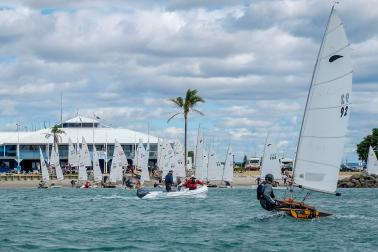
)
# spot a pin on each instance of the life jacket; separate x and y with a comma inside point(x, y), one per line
point(260, 191)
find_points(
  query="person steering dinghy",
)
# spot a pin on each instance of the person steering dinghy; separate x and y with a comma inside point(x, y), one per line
point(266, 195)
point(169, 181)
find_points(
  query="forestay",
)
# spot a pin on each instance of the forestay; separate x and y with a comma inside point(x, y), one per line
point(270, 162)
point(372, 163)
point(44, 171)
point(325, 122)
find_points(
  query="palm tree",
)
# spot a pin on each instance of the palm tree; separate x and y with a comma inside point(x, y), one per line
point(55, 132)
point(187, 105)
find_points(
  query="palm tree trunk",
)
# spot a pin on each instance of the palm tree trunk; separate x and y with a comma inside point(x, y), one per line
point(186, 143)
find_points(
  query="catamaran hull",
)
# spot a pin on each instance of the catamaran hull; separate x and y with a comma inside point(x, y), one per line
point(199, 192)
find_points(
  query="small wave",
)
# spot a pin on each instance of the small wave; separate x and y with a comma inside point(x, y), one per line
point(354, 216)
point(272, 215)
point(100, 197)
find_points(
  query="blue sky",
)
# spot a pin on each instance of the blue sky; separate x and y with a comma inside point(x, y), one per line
point(250, 60)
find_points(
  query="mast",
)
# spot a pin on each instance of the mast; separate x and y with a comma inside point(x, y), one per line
point(195, 158)
point(61, 109)
point(308, 95)
point(225, 163)
point(266, 142)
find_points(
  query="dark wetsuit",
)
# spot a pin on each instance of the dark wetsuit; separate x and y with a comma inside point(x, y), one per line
point(267, 202)
point(168, 182)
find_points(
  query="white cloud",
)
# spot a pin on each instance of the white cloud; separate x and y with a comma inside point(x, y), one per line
point(252, 63)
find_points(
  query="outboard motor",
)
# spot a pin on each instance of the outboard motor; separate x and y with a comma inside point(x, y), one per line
point(142, 192)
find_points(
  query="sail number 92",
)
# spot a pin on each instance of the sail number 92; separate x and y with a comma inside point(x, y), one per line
point(344, 104)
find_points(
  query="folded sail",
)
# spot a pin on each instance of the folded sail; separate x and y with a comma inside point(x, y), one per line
point(372, 162)
point(44, 171)
point(325, 122)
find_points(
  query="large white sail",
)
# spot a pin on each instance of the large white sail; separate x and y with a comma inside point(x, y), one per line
point(214, 170)
point(139, 155)
point(372, 162)
point(228, 170)
point(160, 150)
point(270, 162)
point(85, 153)
point(44, 171)
point(180, 158)
point(97, 174)
point(83, 176)
point(118, 162)
point(145, 175)
point(199, 165)
point(325, 121)
point(168, 153)
point(73, 159)
point(55, 162)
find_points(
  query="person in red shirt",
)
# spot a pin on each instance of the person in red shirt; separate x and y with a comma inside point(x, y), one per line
point(192, 183)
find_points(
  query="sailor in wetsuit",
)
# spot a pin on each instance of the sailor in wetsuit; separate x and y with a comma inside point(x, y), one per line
point(265, 194)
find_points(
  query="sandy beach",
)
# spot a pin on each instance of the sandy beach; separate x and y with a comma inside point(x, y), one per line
point(243, 179)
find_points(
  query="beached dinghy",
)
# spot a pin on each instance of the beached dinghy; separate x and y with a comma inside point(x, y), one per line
point(184, 193)
point(325, 121)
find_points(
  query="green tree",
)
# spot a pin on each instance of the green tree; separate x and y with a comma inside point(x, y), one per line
point(363, 146)
point(56, 133)
point(185, 106)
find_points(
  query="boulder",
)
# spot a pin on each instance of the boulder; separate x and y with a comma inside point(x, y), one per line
point(350, 184)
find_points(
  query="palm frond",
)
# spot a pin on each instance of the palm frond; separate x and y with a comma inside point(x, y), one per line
point(179, 113)
point(197, 111)
point(178, 101)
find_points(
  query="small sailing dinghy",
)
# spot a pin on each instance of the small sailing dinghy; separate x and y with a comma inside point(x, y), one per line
point(44, 171)
point(325, 121)
point(183, 193)
point(372, 162)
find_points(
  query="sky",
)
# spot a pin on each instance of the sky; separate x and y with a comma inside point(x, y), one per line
point(251, 61)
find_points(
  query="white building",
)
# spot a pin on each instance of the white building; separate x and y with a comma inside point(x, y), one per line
point(29, 143)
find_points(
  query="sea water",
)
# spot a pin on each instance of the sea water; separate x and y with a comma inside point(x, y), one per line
point(226, 220)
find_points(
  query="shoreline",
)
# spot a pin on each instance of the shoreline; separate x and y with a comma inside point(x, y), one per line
point(245, 179)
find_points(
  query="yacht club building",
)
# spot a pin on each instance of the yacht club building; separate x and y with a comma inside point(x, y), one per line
point(29, 143)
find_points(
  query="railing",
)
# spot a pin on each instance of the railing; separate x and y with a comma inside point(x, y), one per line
point(63, 154)
point(21, 177)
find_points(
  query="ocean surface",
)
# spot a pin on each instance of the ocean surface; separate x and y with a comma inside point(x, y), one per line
point(226, 220)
